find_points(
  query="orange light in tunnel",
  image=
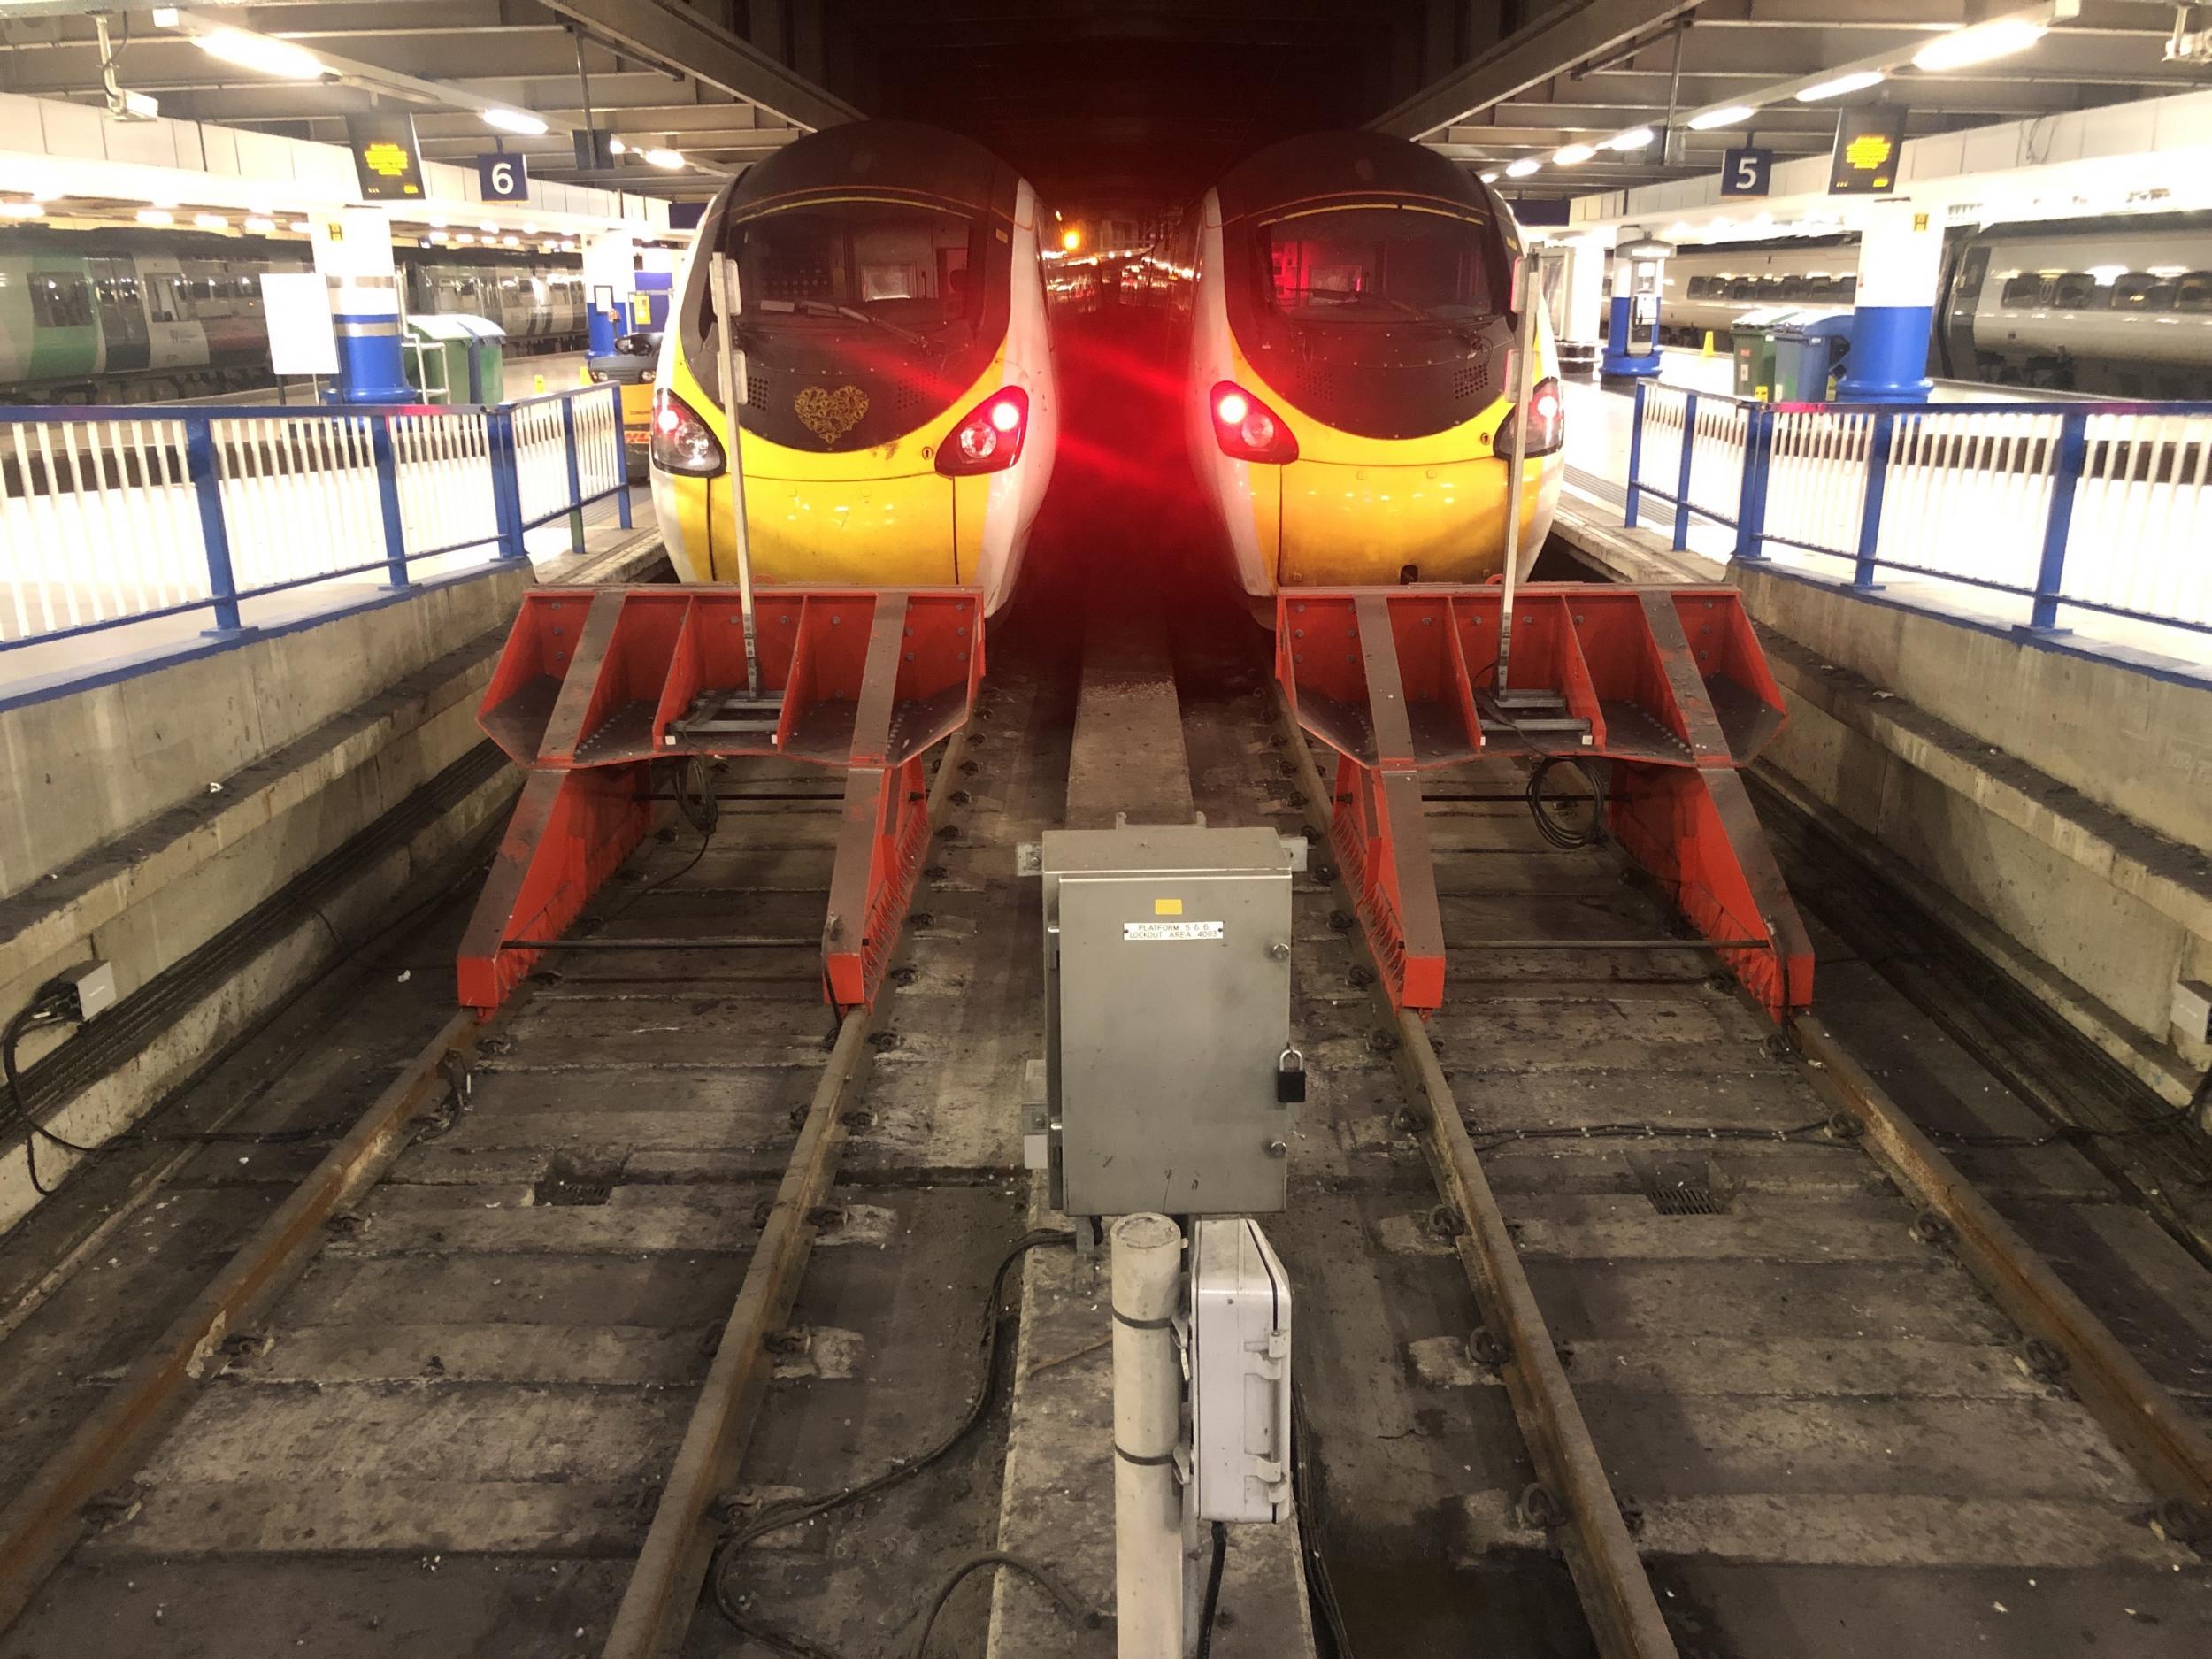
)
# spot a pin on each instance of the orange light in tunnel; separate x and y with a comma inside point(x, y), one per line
point(1071, 239)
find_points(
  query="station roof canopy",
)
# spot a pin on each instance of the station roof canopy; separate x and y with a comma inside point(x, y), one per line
point(1579, 73)
point(663, 79)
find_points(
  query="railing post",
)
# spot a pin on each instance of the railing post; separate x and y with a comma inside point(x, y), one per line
point(499, 442)
point(1751, 499)
point(621, 459)
point(575, 474)
point(1635, 456)
point(1870, 507)
point(1682, 480)
point(199, 454)
point(388, 498)
point(2050, 580)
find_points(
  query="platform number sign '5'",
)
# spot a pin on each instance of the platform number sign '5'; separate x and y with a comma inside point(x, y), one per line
point(1746, 171)
point(503, 178)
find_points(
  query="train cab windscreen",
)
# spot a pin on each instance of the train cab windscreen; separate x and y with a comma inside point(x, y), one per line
point(1383, 319)
point(883, 309)
point(1381, 264)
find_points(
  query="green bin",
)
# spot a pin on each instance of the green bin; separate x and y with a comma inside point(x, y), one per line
point(438, 349)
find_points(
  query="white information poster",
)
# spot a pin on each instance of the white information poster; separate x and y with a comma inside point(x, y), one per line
point(297, 306)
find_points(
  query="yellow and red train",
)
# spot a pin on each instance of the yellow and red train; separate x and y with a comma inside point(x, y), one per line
point(901, 413)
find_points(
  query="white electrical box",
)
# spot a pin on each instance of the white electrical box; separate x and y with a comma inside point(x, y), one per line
point(1237, 1331)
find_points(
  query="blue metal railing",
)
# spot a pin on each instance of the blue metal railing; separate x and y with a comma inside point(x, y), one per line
point(114, 516)
point(2099, 506)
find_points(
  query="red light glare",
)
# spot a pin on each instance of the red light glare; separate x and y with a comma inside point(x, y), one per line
point(667, 419)
point(989, 438)
point(1248, 430)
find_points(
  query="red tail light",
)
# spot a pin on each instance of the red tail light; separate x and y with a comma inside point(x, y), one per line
point(1547, 423)
point(682, 442)
point(989, 438)
point(1248, 430)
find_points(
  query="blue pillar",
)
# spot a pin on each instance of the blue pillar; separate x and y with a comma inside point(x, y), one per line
point(1621, 361)
point(1900, 256)
point(370, 369)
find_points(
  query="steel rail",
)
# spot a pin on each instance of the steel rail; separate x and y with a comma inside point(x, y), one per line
point(42, 1522)
point(2172, 1453)
point(1608, 1574)
point(663, 1588)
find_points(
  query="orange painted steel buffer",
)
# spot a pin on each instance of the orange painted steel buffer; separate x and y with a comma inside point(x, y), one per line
point(1663, 692)
point(596, 683)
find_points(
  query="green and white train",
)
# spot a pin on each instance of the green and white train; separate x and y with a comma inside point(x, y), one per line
point(122, 316)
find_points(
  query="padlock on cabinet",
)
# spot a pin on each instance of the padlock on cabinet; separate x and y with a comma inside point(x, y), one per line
point(1290, 1078)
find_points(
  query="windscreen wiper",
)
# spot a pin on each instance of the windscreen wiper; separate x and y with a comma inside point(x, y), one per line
point(823, 308)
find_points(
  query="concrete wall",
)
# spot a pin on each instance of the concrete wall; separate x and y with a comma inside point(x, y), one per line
point(83, 769)
point(114, 845)
point(2057, 807)
point(2128, 739)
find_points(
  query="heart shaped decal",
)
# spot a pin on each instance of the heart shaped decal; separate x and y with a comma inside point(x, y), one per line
point(829, 416)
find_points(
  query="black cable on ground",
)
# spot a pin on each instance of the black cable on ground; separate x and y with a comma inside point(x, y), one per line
point(1213, 1593)
point(47, 1009)
point(1037, 1575)
point(1305, 1474)
point(1549, 827)
point(802, 1510)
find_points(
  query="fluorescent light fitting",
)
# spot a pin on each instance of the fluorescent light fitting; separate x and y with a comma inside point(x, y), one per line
point(156, 216)
point(520, 121)
point(260, 224)
point(264, 56)
point(300, 227)
point(1492, 177)
point(1999, 38)
point(1727, 115)
point(210, 221)
point(1859, 81)
point(488, 228)
point(664, 157)
point(1573, 155)
point(20, 210)
point(616, 147)
point(1634, 138)
point(1522, 168)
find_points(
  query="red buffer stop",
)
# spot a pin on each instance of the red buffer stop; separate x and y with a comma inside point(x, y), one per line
point(1664, 690)
point(596, 683)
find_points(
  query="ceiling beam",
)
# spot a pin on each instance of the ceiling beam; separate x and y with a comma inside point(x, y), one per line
point(1529, 56)
point(683, 42)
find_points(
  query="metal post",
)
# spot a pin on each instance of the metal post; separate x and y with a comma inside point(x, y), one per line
point(1523, 383)
point(199, 455)
point(575, 475)
point(499, 438)
point(722, 278)
point(1751, 501)
point(1682, 473)
point(2050, 580)
point(621, 459)
point(1148, 1590)
point(388, 498)
point(1635, 459)
point(1870, 508)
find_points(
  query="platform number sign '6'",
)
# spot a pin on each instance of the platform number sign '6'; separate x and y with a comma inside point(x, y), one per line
point(1746, 171)
point(503, 178)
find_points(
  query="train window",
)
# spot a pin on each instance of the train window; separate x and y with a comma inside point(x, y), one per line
point(2026, 288)
point(2194, 292)
point(1701, 286)
point(164, 303)
point(2141, 291)
point(2076, 291)
point(905, 263)
point(1381, 263)
point(60, 301)
point(1743, 287)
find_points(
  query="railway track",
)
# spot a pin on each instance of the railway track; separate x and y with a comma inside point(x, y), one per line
point(481, 1382)
point(1762, 1398)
